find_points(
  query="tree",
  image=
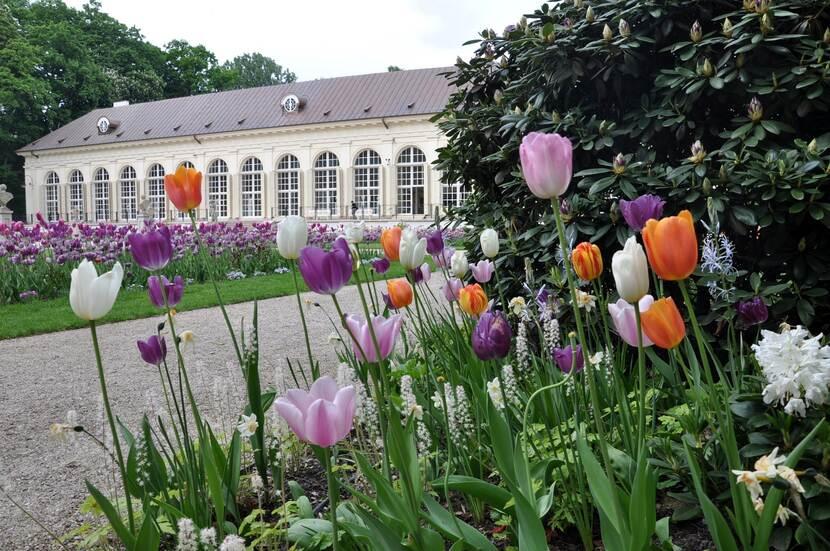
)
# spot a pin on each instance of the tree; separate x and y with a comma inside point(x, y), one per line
point(188, 69)
point(393, 68)
point(254, 69)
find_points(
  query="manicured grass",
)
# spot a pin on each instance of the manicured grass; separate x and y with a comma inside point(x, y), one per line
point(47, 316)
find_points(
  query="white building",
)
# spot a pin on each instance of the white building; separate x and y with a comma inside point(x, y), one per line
point(319, 148)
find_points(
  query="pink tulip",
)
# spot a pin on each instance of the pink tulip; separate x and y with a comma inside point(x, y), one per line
point(386, 331)
point(625, 320)
point(451, 289)
point(323, 416)
point(547, 164)
point(483, 270)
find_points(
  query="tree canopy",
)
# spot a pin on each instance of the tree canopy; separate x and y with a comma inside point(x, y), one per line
point(57, 63)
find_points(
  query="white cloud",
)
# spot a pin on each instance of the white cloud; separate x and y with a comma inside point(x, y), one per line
point(323, 38)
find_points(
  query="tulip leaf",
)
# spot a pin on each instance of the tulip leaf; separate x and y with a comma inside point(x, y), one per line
point(113, 516)
point(455, 528)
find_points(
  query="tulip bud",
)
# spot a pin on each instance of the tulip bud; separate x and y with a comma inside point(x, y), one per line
point(547, 164)
point(826, 36)
point(630, 269)
point(489, 243)
point(766, 24)
point(625, 28)
point(92, 296)
point(498, 96)
point(722, 172)
point(749, 5)
point(459, 265)
point(755, 110)
point(761, 6)
point(812, 147)
point(589, 15)
point(355, 233)
point(696, 32)
point(727, 28)
point(412, 249)
point(615, 212)
point(607, 33)
point(707, 70)
point(292, 235)
point(707, 186)
point(698, 153)
point(619, 164)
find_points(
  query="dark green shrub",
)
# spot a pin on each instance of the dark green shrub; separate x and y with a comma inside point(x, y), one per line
point(649, 90)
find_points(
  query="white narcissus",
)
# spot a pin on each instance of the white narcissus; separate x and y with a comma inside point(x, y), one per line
point(489, 243)
point(412, 250)
point(630, 269)
point(91, 296)
point(292, 236)
point(459, 265)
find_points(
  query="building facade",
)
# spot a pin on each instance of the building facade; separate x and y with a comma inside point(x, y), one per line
point(328, 149)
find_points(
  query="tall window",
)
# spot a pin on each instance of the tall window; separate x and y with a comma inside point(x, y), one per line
point(101, 187)
point(411, 169)
point(128, 186)
point(452, 195)
point(325, 183)
point(155, 191)
point(217, 189)
point(52, 194)
point(288, 186)
point(77, 209)
point(367, 180)
point(251, 180)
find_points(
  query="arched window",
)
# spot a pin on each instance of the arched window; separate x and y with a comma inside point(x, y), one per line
point(186, 164)
point(101, 187)
point(325, 183)
point(77, 209)
point(52, 196)
point(367, 180)
point(217, 189)
point(288, 186)
point(128, 185)
point(155, 191)
point(411, 169)
point(452, 195)
point(251, 179)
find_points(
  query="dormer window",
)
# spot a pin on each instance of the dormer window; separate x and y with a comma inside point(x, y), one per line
point(103, 125)
point(290, 103)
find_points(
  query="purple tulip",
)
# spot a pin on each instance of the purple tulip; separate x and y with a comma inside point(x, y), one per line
point(435, 242)
point(491, 336)
point(422, 273)
point(547, 164)
point(752, 312)
point(451, 289)
point(641, 210)
point(483, 270)
point(569, 357)
point(381, 265)
point(325, 273)
point(158, 287)
point(386, 331)
point(323, 416)
point(444, 258)
point(153, 350)
point(153, 249)
point(625, 319)
point(388, 301)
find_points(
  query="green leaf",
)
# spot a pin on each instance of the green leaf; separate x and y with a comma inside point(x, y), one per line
point(601, 488)
point(305, 531)
point(744, 215)
point(113, 517)
point(453, 527)
point(493, 495)
point(642, 506)
point(148, 536)
point(718, 528)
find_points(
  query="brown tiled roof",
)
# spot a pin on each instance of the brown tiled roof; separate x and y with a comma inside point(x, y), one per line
point(391, 94)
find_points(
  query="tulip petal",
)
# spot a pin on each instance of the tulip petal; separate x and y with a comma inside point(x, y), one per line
point(299, 398)
point(292, 416)
point(321, 424)
point(324, 388)
point(346, 405)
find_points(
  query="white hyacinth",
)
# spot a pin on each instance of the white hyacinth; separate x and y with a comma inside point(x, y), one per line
point(232, 543)
point(186, 536)
point(796, 367)
point(522, 349)
point(511, 389)
point(207, 537)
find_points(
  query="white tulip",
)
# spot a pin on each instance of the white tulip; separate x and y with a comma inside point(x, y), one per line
point(355, 232)
point(630, 269)
point(459, 265)
point(292, 235)
point(412, 249)
point(91, 296)
point(489, 243)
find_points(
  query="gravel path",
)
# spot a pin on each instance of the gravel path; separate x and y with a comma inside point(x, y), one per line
point(45, 376)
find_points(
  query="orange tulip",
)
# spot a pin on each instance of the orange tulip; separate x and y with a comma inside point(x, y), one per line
point(473, 299)
point(587, 261)
point(671, 245)
point(663, 323)
point(400, 292)
point(184, 188)
point(390, 240)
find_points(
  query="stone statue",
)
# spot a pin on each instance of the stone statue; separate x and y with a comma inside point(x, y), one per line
point(5, 211)
point(145, 208)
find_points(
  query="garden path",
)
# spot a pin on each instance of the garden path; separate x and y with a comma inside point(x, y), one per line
point(45, 376)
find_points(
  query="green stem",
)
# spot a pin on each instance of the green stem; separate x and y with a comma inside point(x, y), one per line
point(315, 372)
point(111, 419)
point(641, 373)
point(333, 489)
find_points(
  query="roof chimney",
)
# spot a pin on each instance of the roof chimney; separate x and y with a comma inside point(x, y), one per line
point(122, 103)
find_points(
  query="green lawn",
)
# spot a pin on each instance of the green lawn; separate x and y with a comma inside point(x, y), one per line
point(47, 316)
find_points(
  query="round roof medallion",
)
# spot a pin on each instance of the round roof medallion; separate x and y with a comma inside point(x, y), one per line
point(103, 125)
point(290, 103)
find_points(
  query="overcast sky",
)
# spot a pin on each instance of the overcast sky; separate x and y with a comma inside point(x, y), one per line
point(323, 38)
